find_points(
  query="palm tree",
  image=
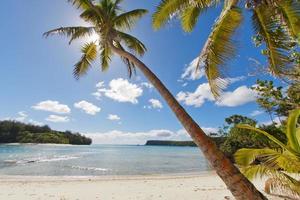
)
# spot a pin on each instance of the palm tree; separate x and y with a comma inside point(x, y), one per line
point(109, 23)
point(275, 163)
point(275, 22)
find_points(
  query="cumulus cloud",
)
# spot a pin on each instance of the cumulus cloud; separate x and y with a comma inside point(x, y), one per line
point(113, 117)
point(155, 103)
point(256, 113)
point(57, 119)
point(120, 90)
point(87, 107)
point(202, 94)
point(238, 97)
point(190, 71)
point(196, 98)
point(52, 106)
point(121, 137)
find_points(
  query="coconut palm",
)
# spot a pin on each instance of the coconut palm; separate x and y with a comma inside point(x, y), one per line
point(275, 163)
point(276, 24)
point(109, 22)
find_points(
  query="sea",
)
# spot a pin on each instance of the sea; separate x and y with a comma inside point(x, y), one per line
point(99, 160)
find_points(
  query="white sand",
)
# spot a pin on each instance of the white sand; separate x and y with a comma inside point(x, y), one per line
point(206, 186)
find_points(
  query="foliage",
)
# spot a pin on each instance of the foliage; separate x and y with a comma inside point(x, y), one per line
point(108, 22)
point(237, 138)
point(277, 163)
point(275, 100)
point(17, 132)
point(276, 25)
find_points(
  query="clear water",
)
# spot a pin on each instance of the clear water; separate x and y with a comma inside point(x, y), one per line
point(95, 160)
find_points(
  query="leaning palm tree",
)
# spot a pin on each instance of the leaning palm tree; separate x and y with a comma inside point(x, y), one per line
point(279, 163)
point(109, 22)
point(276, 24)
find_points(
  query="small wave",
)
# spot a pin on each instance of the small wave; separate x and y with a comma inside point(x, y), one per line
point(90, 168)
point(41, 159)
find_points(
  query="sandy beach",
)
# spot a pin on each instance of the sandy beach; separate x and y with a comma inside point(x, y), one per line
point(205, 186)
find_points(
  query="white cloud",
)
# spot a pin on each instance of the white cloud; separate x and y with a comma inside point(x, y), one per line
point(52, 106)
point(36, 123)
point(238, 97)
point(87, 107)
point(113, 117)
point(256, 113)
point(191, 72)
point(120, 90)
point(154, 103)
point(121, 137)
point(57, 119)
point(196, 98)
point(22, 116)
point(147, 85)
point(276, 120)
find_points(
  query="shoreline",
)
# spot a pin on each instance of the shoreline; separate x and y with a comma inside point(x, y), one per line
point(20, 178)
point(204, 185)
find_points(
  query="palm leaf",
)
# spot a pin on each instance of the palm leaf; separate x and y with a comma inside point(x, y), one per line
point(105, 56)
point(135, 45)
point(246, 156)
point(290, 11)
point(266, 24)
point(83, 4)
point(189, 17)
point(254, 171)
point(130, 66)
point(89, 51)
point(220, 47)
point(271, 137)
point(72, 32)
point(165, 10)
point(127, 20)
point(291, 133)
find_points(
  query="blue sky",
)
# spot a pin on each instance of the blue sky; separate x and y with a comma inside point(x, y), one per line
point(38, 87)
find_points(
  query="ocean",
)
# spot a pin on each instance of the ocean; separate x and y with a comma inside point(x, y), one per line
point(99, 160)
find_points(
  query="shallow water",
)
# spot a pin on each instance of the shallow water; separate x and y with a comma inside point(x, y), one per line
point(95, 160)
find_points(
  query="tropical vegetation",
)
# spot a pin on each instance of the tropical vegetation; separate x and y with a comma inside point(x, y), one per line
point(18, 132)
point(276, 26)
point(111, 23)
point(280, 163)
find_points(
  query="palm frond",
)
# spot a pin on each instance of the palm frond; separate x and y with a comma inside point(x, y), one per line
point(89, 51)
point(290, 12)
point(165, 10)
point(131, 69)
point(105, 56)
point(291, 132)
point(135, 45)
point(83, 4)
point(189, 17)
point(266, 23)
point(74, 33)
point(254, 171)
point(284, 184)
point(127, 20)
point(220, 47)
point(244, 157)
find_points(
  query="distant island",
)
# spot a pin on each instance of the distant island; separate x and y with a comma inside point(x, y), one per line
point(18, 132)
point(218, 141)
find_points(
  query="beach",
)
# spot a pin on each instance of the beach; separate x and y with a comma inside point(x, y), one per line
point(204, 186)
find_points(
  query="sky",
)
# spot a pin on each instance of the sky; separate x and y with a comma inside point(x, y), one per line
point(38, 86)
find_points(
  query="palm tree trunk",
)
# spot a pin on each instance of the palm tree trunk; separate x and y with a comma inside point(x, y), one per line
point(238, 184)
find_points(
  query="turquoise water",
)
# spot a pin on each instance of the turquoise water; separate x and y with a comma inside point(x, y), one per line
point(95, 160)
